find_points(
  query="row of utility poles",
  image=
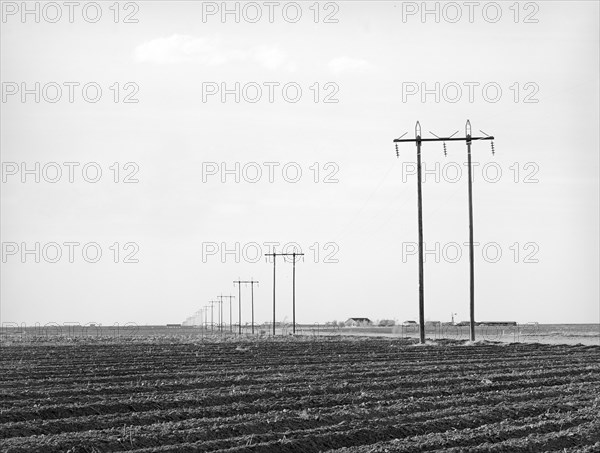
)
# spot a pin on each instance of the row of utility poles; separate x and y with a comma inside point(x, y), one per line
point(294, 255)
point(418, 140)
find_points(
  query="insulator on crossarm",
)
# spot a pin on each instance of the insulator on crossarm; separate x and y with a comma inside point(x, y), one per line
point(493, 151)
point(397, 152)
point(445, 151)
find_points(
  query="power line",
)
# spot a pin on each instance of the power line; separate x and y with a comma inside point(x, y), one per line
point(418, 140)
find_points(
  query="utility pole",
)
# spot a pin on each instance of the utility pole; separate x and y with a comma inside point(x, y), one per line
point(469, 139)
point(252, 282)
point(418, 140)
point(212, 323)
point(220, 302)
point(293, 255)
point(202, 316)
point(206, 316)
point(274, 274)
point(230, 318)
point(239, 283)
point(294, 293)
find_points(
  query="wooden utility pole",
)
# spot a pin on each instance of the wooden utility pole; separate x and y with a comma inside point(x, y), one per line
point(230, 317)
point(252, 297)
point(212, 323)
point(294, 293)
point(206, 316)
point(418, 140)
point(201, 311)
point(239, 283)
point(293, 255)
point(220, 302)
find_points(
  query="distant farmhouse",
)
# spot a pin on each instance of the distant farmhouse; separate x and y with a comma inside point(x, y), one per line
point(356, 322)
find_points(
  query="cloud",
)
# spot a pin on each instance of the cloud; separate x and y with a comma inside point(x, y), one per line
point(346, 64)
point(179, 49)
point(207, 51)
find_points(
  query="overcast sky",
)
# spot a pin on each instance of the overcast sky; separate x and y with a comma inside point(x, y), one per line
point(540, 213)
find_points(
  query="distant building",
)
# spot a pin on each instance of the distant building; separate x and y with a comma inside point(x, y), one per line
point(356, 322)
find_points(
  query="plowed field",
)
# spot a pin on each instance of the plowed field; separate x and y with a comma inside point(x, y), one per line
point(342, 395)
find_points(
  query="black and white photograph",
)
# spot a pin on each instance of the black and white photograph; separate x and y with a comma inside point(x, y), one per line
point(300, 226)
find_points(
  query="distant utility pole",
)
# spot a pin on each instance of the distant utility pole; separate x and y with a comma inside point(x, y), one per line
point(293, 255)
point(206, 316)
point(230, 318)
point(202, 318)
point(468, 139)
point(220, 302)
point(212, 322)
point(239, 283)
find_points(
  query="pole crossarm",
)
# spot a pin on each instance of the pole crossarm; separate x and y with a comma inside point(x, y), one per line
point(442, 139)
point(226, 297)
point(283, 254)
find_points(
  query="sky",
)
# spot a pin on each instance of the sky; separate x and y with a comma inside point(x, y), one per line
point(146, 114)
